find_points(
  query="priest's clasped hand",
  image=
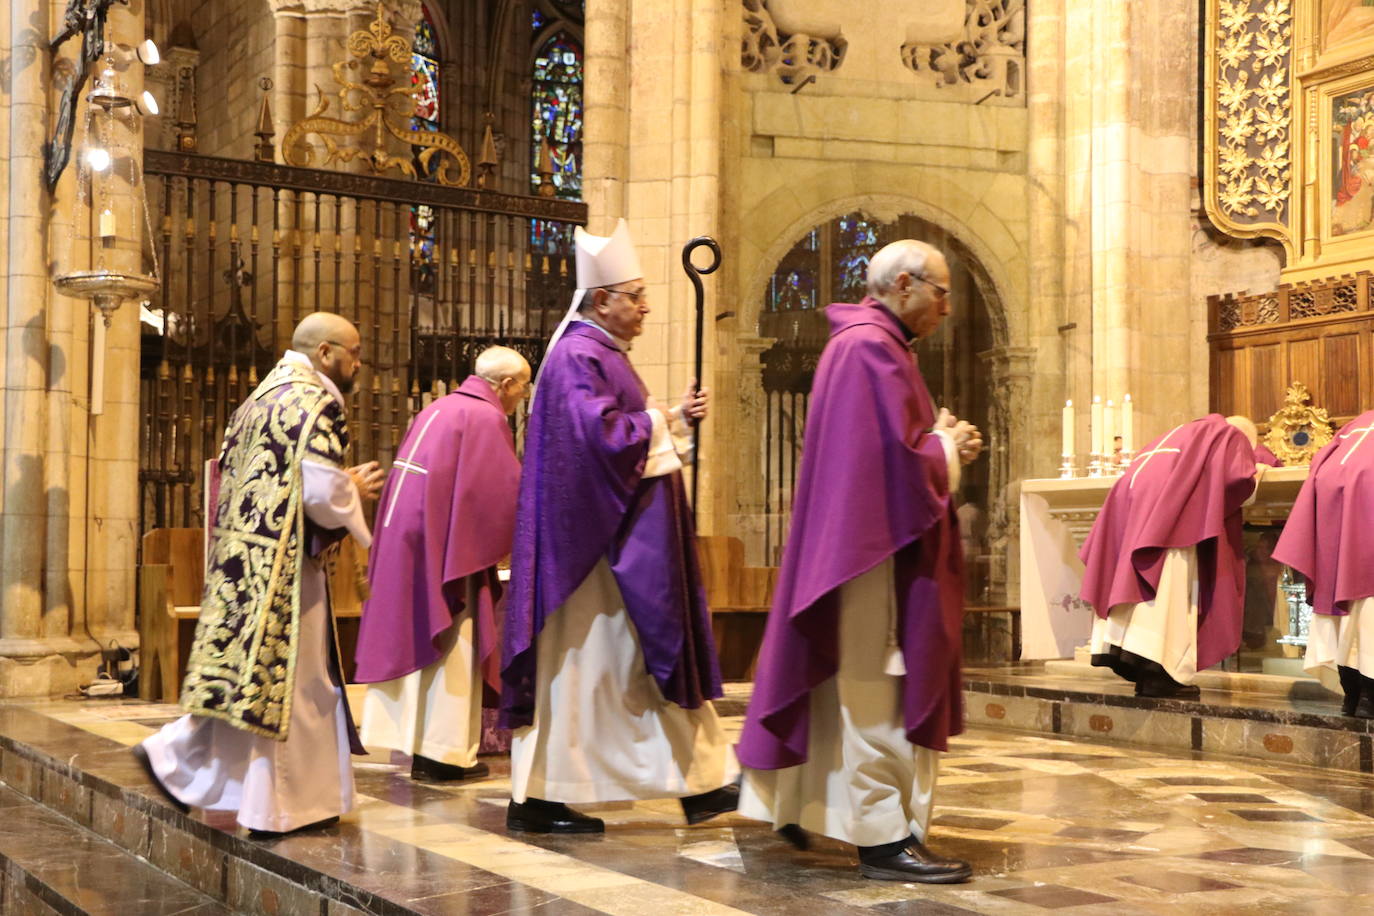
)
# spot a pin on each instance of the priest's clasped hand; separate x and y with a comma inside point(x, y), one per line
point(368, 479)
point(968, 441)
point(694, 403)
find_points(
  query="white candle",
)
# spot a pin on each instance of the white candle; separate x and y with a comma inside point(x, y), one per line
point(1127, 424)
point(1067, 438)
point(1108, 431)
point(1095, 436)
point(107, 223)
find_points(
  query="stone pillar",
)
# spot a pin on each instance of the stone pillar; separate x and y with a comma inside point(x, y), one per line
point(742, 399)
point(653, 116)
point(1009, 371)
point(68, 521)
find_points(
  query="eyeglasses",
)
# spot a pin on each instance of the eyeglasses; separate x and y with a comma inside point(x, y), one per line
point(625, 292)
point(355, 352)
point(944, 290)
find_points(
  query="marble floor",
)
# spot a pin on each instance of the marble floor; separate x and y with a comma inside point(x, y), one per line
point(1049, 823)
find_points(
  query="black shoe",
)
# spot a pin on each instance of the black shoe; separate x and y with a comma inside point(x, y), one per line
point(1166, 688)
point(535, 815)
point(1350, 686)
point(1364, 709)
point(141, 755)
point(793, 834)
point(424, 769)
point(909, 860)
point(707, 805)
point(274, 834)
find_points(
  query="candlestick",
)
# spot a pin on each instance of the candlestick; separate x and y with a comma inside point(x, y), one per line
point(1095, 433)
point(1108, 435)
point(1067, 449)
point(1127, 426)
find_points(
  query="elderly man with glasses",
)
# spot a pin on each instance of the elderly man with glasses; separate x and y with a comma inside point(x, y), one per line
point(609, 666)
point(858, 684)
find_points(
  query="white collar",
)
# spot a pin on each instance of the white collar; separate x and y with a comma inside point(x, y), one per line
point(328, 383)
point(620, 343)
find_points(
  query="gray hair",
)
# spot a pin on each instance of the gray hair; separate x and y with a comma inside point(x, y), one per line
point(496, 363)
point(904, 256)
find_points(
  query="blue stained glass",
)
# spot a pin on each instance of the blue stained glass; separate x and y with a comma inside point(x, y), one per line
point(426, 116)
point(557, 114)
point(426, 39)
point(536, 20)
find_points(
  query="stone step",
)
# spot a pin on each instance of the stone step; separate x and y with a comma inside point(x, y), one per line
point(50, 864)
point(1304, 727)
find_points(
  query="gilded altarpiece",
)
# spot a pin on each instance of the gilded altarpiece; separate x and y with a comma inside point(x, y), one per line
point(1288, 142)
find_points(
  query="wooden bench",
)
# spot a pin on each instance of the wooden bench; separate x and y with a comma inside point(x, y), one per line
point(171, 579)
point(739, 597)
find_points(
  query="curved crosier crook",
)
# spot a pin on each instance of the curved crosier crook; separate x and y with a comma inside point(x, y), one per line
point(694, 273)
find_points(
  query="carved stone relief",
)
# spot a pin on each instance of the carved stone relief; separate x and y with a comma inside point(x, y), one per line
point(982, 59)
point(989, 61)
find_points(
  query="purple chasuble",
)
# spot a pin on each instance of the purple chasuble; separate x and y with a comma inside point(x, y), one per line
point(1326, 537)
point(582, 498)
point(874, 484)
point(1184, 489)
point(447, 513)
point(1264, 456)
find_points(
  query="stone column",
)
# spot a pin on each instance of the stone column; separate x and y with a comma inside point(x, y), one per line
point(1009, 371)
point(605, 148)
point(742, 400)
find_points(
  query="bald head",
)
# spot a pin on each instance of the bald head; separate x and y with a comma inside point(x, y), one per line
point(507, 372)
point(911, 278)
point(1247, 426)
point(320, 327)
point(333, 345)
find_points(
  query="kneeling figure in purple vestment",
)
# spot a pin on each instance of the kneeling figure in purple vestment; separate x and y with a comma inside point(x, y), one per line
point(1164, 562)
point(858, 683)
point(1325, 540)
point(427, 641)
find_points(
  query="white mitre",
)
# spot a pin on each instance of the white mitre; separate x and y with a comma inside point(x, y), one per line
point(605, 260)
point(602, 260)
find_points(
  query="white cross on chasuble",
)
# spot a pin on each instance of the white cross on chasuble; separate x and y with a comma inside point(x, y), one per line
point(408, 468)
point(1364, 432)
point(1138, 465)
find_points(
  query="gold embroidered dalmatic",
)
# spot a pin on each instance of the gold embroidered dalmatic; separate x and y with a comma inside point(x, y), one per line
point(243, 661)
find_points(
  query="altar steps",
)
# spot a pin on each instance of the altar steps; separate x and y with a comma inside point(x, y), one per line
point(49, 864)
point(1291, 722)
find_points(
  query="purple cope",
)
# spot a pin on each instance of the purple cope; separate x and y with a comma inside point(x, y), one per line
point(1325, 537)
point(874, 484)
point(1184, 489)
point(447, 513)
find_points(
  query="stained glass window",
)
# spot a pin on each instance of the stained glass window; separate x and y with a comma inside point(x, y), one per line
point(537, 21)
point(557, 117)
point(428, 113)
point(857, 243)
point(556, 120)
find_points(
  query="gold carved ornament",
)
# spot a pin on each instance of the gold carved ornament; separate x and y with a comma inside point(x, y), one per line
point(1248, 130)
point(1299, 430)
point(391, 107)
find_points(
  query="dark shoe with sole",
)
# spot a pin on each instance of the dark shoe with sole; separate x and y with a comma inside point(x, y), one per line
point(535, 815)
point(794, 834)
point(1351, 687)
point(141, 756)
point(703, 807)
point(274, 834)
point(1364, 709)
point(423, 769)
point(1166, 688)
point(909, 860)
